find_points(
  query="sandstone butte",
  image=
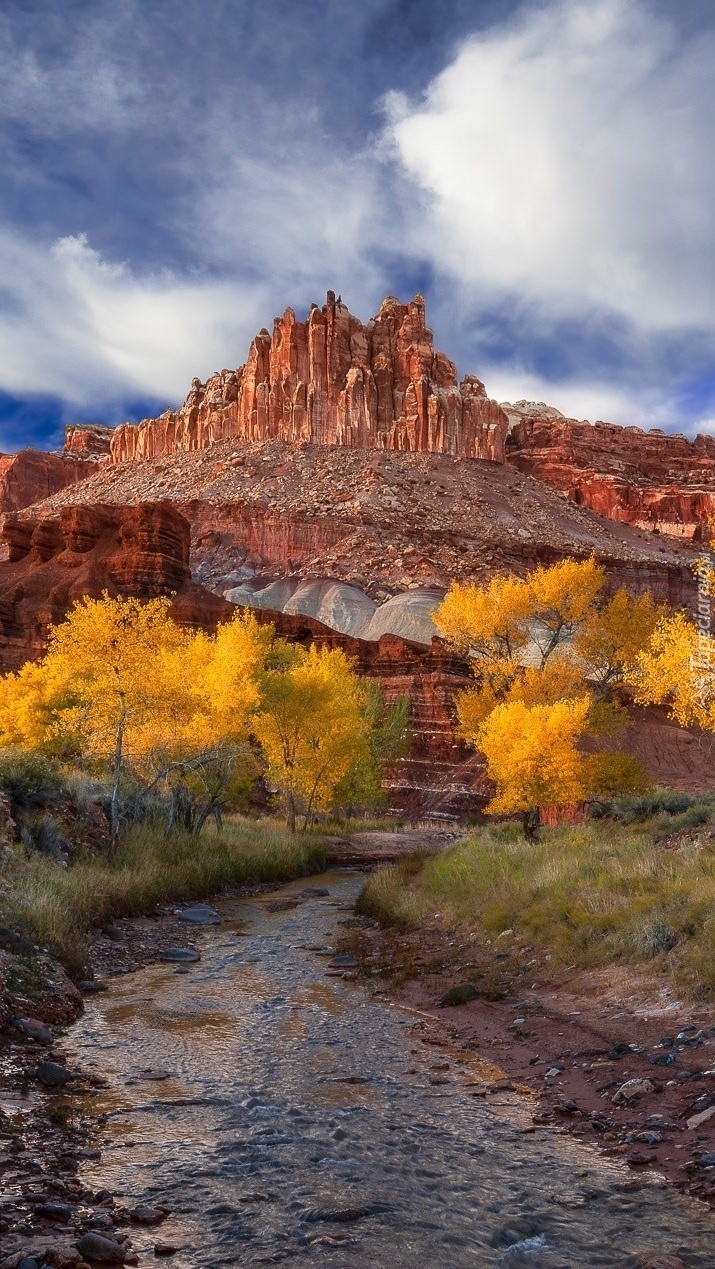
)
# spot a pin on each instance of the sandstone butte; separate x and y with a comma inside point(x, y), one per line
point(337, 482)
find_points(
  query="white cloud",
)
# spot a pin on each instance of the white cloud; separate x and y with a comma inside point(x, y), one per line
point(566, 159)
point(586, 399)
point(88, 330)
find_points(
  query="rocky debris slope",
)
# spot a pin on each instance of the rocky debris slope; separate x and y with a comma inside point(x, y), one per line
point(659, 482)
point(383, 522)
point(333, 381)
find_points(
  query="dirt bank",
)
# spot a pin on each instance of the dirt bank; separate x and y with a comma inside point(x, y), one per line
point(610, 1055)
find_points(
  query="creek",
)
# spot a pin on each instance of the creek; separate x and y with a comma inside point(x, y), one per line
point(289, 1098)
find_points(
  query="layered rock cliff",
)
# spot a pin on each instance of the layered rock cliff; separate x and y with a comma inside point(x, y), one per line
point(657, 481)
point(145, 550)
point(32, 475)
point(331, 380)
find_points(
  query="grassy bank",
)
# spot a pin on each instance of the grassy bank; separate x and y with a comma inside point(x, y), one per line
point(587, 895)
point(57, 906)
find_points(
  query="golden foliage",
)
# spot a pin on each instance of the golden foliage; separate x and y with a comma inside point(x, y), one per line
point(313, 726)
point(532, 754)
point(547, 652)
point(678, 669)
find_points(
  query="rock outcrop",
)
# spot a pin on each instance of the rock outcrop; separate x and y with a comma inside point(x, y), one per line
point(54, 560)
point(656, 481)
point(32, 475)
point(88, 440)
point(330, 380)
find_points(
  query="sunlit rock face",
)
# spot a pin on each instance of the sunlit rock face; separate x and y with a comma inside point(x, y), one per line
point(347, 608)
point(655, 481)
point(331, 380)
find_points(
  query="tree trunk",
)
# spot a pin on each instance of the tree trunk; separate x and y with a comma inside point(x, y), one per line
point(531, 821)
point(114, 813)
point(290, 801)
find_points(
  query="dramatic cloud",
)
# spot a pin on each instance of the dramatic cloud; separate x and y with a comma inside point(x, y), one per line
point(565, 160)
point(86, 330)
point(173, 181)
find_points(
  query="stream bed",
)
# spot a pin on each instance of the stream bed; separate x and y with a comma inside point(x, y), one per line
point(295, 1121)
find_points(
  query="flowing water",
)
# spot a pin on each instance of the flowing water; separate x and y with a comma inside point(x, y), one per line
point(257, 1140)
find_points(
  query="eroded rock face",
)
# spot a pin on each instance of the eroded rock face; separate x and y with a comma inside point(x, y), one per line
point(31, 475)
point(55, 560)
point(658, 482)
point(330, 380)
point(88, 440)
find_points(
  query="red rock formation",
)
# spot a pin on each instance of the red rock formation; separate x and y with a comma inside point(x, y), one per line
point(31, 475)
point(53, 561)
point(88, 440)
point(332, 381)
point(655, 481)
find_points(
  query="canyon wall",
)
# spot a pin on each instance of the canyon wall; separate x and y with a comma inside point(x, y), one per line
point(656, 481)
point(331, 380)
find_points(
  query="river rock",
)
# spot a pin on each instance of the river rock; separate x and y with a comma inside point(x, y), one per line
point(664, 1262)
point(181, 955)
point(342, 962)
point(34, 1029)
point(53, 1075)
point(200, 914)
point(143, 1215)
point(165, 1249)
point(104, 1250)
point(632, 1090)
point(460, 995)
point(58, 1212)
point(314, 892)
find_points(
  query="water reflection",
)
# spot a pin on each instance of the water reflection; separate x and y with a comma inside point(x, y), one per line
point(261, 1145)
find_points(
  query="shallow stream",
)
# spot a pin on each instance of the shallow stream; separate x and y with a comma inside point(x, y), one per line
point(257, 1140)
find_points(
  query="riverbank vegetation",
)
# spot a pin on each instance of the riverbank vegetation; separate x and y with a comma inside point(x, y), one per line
point(57, 906)
point(636, 887)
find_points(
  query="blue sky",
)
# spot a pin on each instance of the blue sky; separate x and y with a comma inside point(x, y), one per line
point(175, 174)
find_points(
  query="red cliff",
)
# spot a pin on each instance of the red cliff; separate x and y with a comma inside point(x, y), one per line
point(656, 481)
point(331, 380)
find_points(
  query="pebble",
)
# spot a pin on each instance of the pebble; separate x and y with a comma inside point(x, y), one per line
point(632, 1090)
point(201, 914)
point(104, 1250)
point(142, 1215)
point(33, 1029)
point(53, 1075)
point(56, 1212)
point(185, 954)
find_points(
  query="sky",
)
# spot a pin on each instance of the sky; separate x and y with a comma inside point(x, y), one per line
point(176, 172)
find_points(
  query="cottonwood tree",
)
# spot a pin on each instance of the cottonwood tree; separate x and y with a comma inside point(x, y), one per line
point(677, 669)
point(123, 685)
point(548, 652)
point(313, 725)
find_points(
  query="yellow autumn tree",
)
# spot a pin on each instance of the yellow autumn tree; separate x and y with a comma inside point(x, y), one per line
point(532, 756)
point(677, 669)
point(122, 684)
point(536, 644)
point(313, 726)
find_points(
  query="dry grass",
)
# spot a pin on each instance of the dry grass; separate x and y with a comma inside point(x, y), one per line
point(57, 905)
point(590, 895)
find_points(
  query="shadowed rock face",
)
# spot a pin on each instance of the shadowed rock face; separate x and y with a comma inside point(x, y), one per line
point(31, 475)
point(331, 380)
point(55, 560)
